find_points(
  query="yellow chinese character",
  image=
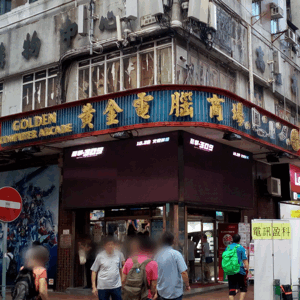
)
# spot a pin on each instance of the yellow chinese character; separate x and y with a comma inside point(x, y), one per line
point(111, 110)
point(87, 116)
point(216, 109)
point(238, 114)
point(141, 105)
point(181, 104)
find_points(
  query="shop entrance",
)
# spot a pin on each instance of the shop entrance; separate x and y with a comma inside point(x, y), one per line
point(122, 222)
point(92, 226)
point(202, 231)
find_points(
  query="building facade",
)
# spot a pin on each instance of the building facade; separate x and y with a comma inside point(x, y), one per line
point(78, 77)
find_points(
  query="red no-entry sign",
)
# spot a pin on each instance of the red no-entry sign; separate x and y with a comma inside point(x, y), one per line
point(10, 204)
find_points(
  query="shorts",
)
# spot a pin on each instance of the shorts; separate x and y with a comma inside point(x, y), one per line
point(237, 282)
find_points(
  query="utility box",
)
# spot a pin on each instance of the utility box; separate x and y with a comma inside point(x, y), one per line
point(157, 7)
point(82, 20)
point(131, 9)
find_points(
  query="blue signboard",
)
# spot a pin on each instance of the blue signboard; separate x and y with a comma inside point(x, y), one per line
point(149, 108)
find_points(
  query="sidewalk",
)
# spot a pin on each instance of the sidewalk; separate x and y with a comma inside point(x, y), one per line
point(218, 295)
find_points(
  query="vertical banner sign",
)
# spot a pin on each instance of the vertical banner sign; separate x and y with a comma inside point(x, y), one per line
point(226, 232)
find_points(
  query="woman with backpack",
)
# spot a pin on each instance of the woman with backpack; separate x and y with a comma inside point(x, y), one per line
point(31, 282)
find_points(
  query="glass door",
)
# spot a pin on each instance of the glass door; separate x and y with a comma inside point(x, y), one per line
point(202, 233)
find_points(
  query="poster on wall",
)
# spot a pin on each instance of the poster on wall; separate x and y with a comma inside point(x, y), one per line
point(39, 189)
point(226, 232)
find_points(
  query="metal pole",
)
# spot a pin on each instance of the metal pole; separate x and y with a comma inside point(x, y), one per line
point(4, 250)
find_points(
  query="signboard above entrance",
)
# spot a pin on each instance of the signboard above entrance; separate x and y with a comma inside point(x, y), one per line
point(170, 105)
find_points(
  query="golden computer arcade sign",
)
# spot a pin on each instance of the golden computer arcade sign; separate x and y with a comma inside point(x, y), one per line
point(155, 106)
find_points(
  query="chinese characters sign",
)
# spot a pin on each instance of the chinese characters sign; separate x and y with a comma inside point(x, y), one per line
point(31, 46)
point(150, 107)
point(88, 152)
point(271, 230)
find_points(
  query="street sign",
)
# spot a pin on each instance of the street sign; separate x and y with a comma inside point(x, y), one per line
point(10, 209)
point(10, 204)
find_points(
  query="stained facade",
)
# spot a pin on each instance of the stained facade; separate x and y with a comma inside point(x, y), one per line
point(101, 63)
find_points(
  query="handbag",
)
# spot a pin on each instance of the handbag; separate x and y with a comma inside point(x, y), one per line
point(208, 260)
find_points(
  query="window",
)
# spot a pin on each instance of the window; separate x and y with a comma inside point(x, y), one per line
point(5, 6)
point(1, 93)
point(274, 26)
point(147, 68)
point(258, 95)
point(125, 70)
point(256, 9)
point(283, 111)
point(164, 65)
point(130, 72)
point(39, 89)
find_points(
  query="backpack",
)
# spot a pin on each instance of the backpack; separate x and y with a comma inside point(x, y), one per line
point(287, 293)
point(12, 271)
point(230, 261)
point(24, 288)
point(136, 286)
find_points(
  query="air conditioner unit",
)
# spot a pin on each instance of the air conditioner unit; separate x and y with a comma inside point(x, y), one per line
point(274, 186)
point(212, 19)
point(82, 20)
point(131, 9)
point(277, 62)
point(157, 7)
point(290, 36)
point(198, 10)
point(276, 12)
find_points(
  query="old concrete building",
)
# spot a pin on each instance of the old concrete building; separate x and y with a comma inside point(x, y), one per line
point(75, 73)
point(254, 53)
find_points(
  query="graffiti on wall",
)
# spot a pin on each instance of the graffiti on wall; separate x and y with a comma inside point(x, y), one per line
point(39, 189)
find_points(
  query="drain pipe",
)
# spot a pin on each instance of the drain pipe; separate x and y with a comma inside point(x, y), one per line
point(91, 33)
point(251, 77)
point(176, 10)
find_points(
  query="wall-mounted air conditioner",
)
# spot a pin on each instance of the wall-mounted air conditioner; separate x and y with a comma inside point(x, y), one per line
point(132, 9)
point(290, 36)
point(198, 10)
point(82, 20)
point(274, 186)
point(157, 7)
point(277, 62)
point(276, 12)
point(212, 18)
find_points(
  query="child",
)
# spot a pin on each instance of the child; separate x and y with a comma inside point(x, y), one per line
point(36, 259)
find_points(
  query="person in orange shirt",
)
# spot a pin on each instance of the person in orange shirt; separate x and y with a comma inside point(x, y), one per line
point(36, 259)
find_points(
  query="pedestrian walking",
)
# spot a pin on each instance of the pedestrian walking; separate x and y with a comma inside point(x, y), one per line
point(11, 266)
point(31, 282)
point(140, 273)
point(172, 270)
point(191, 258)
point(235, 265)
point(206, 259)
point(108, 267)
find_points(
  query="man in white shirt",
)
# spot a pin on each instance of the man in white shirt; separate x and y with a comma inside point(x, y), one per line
point(108, 266)
point(191, 258)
